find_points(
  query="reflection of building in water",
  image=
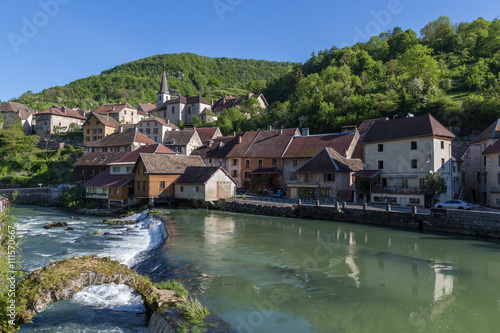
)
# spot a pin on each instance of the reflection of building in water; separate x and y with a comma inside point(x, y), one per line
point(218, 230)
point(444, 281)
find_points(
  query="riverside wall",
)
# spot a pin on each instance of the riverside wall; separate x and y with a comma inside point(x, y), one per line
point(472, 223)
point(36, 195)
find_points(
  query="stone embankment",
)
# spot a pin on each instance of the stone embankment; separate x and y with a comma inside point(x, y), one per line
point(35, 195)
point(473, 223)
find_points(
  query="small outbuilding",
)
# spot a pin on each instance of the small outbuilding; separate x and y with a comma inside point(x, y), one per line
point(205, 183)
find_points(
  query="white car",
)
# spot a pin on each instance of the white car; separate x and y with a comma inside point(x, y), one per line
point(454, 204)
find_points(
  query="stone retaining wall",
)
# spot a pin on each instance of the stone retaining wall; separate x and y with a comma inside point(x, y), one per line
point(44, 195)
point(473, 223)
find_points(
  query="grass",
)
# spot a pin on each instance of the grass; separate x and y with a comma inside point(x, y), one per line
point(173, 285)
point(193, 311)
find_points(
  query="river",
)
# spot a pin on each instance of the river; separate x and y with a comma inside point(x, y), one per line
point(264, 274)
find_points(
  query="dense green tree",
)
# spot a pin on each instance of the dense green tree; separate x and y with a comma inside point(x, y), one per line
point(439, 35)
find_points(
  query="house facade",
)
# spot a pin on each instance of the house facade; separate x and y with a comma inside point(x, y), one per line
point(406, 150)
point(57, 118)
point(13, 112)
point(97, 127)
point(122, 113)
point(155, 128)
point(111, 187)
point(215, 151)
point(205, 184)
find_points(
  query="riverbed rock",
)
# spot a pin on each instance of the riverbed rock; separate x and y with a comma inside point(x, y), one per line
point(69, 229)
point(55, 224)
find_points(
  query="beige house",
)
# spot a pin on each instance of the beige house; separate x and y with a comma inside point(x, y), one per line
point(205, 183)
point(123, 113)
point(155, 128)
point(182, 142)
point(327, 175)
point(406, 150)
point(475, 174)
point(57, 119)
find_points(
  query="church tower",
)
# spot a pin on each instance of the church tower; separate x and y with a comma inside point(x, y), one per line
point(163, 94)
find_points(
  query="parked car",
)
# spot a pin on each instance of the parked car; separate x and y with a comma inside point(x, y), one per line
point(279, 194)
point(454, 204)
point(241, 190)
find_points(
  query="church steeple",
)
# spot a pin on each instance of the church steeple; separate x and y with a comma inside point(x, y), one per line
point(163, 94)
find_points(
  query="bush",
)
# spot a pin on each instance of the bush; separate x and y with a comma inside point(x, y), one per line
point(172, 285)
point(193, 311)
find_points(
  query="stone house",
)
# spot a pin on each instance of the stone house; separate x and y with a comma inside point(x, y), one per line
point(205, 183)
point(97, 127)
point(155, 128)
point(155, 174)
point(13, 112)
point(57, 117)
point(122, 113)
point(126, 141)
point(91, 164)
point(327, 175)
point(406, 150)
point(215, 151)
point(304, 147)
point(229, 101)
point(182, 142)
point(475, 174)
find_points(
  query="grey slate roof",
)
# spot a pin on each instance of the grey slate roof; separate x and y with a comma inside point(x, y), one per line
point(163, 86)
point(329, 160)
point(199, 175)
point(169, 164)
point(492, 132)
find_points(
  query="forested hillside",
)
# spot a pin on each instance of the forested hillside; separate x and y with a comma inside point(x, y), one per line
point(449, 70)
point(139, 81)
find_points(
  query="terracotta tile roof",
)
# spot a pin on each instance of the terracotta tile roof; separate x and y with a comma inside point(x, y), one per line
point(178, 138)
point(330, 160)
point(270, 143)
point(160, 120)
point(169, 164)
point(106, 179)
point(99, 158)
point(219, 149)
point(122, 139)
point(113, 108)
point(362, 130)
point(62, 111)
point(200, 175)
point(146, 107)
point(405, 128)
point(246, 140)
point(149, 149)
point(110, 122)
point(493, 149)
point(23, 111)
point(207, 133)
point(308, 146)
point(492, 132)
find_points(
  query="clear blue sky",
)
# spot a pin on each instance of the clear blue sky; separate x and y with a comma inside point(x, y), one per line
point(44, 43)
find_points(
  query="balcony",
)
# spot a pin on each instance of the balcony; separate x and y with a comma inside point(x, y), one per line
point(398, 189)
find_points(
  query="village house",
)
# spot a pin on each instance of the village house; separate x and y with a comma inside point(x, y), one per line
point(256, 162)
point(115, 183)
point(475, 173)
point(215, 151)
point(326, 175)
point(57, 119)
point(123, 113)
point(97, 127)
point(229, 101)
point(155, 128)
point(182, 142)
point(125, 141)
point(207, 134)
point(91, 164)
point(205, 183)
point(155, 174)
point(180, 108)
point(12, 112)
point(304, 147)
point(405, 151)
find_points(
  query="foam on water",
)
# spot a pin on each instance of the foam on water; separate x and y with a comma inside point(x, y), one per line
point(112, 296)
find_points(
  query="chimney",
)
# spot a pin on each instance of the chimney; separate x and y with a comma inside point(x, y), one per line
point(168, 121)
point(107, 117)
point(269, 128)
point(350, 128)
point(239, 139)
point(305, 131)
point(281, 131)
point(194, 128)
point(234, 133)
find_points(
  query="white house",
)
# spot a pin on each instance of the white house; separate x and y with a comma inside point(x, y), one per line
point(205, 183)
point(406, 150)
point(155, 128)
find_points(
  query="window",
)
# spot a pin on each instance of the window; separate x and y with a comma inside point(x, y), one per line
point(498, 160)
point(148, 130)
point(274, 162)
point(247, 163)
point(117, 191)
point(110, 191)
point(380, 147)
point(210, 160)
point(197, 189)
point(162, 185)
point(182, 188)
point(189, 110)
point(414, 145)
point(155, 130)
point(442, 144)
point(173, 110)
point(384, 181)
point(235, 161)
point(130, 169)
point(484, 160)
point(413, 164)
point(246, 174)
point(325, 192)
point(148, 123)
point(87, 138)
point(415, 201)
point(442, 163)
point(294, 163)
point(329, 177)
point(235, 173)
point(99, 131)
point(422, 182)
point(479, 177)
point(116, 169)
point(156, 138)
point(88, 132)
point(380, 165)
point(94, 131)
point(498, 179)
point(260, 163)
point(124, 111)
